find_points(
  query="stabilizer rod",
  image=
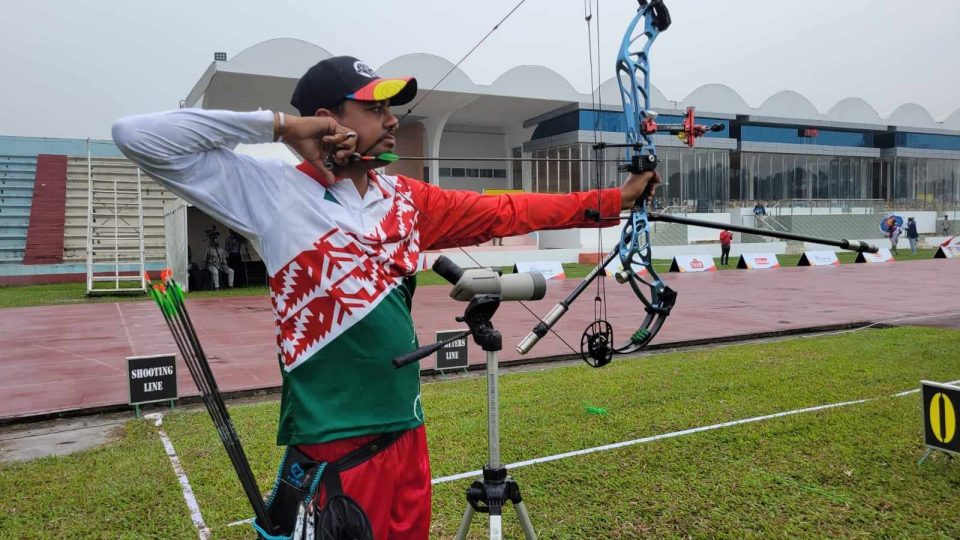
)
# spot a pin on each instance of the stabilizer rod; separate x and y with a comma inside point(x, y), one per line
point(852, 245)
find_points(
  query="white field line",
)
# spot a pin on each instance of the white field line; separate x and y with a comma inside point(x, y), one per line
point(188, 496)
point(123, 323)
point(670, 435)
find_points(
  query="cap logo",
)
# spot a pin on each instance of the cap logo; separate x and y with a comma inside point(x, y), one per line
point(364, 70)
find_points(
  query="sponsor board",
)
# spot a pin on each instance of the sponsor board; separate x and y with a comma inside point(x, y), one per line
point(758, 261)
point(549, 269)
point(948, 252)
point(881, 256)
point(819, 258)
point(615, 266)
point(693, 263)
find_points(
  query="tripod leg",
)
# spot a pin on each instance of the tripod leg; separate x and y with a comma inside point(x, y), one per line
point(465, 523)
point(496, 526)
point(528, 531)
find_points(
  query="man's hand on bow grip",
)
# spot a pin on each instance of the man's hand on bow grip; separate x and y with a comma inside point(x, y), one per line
point(635, 186)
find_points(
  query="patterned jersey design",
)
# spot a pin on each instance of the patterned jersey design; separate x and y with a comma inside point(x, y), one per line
point(325, 290)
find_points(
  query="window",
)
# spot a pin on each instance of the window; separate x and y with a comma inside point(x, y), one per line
point(793, 135)
point(444, 171)
point(458, 172)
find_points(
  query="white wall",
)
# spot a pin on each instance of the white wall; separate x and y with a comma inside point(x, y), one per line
point(926, 221)
point(468, 144)
point(506, 257)
point(703, 234)
point(566, 238)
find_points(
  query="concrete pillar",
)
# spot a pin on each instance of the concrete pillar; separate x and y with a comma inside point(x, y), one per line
point(432, 133)
point(515, 136)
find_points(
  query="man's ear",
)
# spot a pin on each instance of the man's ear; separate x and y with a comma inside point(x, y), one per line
point(325, 113)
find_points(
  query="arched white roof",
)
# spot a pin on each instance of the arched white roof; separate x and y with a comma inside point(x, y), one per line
point(428, 69)
point(788, 104)
point(717, 98)
point(609, 91)
point(290, 58)
point(853, 109)
point(535, 82)
point(912, 115)
point(953, 121)
point(281, 57)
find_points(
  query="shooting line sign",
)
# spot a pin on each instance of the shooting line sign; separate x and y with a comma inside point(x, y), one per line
point(453, 355)
point(152, 378)
point(940, 403)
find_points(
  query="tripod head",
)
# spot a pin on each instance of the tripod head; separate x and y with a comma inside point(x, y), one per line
point(484, 289)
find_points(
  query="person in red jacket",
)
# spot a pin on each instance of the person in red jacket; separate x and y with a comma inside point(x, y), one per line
point(341, 243)
point(726, 237)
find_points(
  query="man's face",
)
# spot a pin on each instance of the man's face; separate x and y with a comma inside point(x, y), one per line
point(374, 124)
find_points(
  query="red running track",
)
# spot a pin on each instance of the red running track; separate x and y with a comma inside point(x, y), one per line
point(61, 358)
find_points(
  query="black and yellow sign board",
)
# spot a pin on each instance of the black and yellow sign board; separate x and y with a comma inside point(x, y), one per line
point(941, 406)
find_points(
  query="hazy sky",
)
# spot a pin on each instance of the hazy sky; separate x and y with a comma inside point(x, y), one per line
point(69, 68)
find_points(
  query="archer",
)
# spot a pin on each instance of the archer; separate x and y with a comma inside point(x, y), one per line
point(341, 244)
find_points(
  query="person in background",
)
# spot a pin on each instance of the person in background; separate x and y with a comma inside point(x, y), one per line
point(216, 262)
point(726, 237)
point(912, 235)
point(233, 246)
point(894, 234)
point(945, 225)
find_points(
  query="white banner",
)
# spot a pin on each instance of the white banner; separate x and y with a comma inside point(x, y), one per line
point(881, 256)
point(693, 263)
point(549, 269)
point(614, 266)
point(818, 258)
point(758, 261)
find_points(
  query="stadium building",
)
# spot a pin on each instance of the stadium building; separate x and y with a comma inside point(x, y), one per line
point(833, 173)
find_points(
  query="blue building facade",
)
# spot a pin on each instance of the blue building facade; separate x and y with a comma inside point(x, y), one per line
point(761, 158)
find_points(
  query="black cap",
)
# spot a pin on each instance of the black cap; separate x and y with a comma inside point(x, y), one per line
point(331, 81)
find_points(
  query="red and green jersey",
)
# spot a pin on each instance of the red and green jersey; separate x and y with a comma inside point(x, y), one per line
point(341, 266)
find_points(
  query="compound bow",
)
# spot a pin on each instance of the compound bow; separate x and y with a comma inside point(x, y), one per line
point(633, 250)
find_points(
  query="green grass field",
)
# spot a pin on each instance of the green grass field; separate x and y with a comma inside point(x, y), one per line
point(848, 472)
point(75, 293)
